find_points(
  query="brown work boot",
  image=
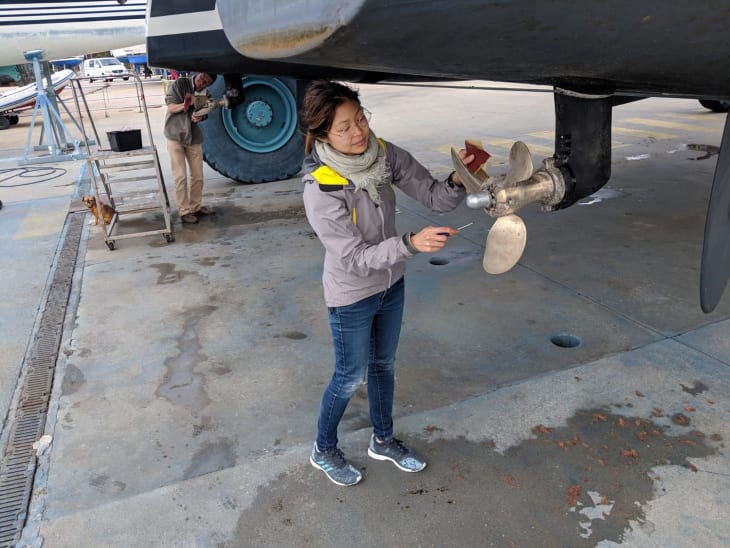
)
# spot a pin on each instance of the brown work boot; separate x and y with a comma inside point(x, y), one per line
point(204, 211)
point(189, 218)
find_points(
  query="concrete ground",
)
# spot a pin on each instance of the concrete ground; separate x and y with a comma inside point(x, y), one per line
point(186, 393)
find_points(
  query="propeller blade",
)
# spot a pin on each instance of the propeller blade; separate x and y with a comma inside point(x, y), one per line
point(468, 179)
point(508, 235)
point(520, 163)
point(505, 244)
point(716, 246)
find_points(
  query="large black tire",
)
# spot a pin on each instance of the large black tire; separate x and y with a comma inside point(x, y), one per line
point(13, 119)
point(715, 106)
point(4, 122)
point(260, 140)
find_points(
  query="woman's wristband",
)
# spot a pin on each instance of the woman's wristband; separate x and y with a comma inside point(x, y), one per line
point(407, 241)
point(450, 180)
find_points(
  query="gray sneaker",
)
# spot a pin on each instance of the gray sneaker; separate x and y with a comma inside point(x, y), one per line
point(397, 453)
point(333, 464)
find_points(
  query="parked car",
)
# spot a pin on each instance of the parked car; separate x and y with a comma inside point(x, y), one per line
point(104, 68)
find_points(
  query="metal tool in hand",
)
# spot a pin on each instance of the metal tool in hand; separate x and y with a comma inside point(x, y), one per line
point(467, 225)
point(203, 104)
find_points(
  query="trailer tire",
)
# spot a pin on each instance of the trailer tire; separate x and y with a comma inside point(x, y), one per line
point(260, 139)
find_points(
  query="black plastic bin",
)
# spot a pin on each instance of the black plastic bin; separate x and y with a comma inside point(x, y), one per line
point(125, 140)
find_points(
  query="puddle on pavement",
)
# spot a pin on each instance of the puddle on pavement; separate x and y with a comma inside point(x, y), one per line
point(181, 385)
point(293, 335)
point(232, 215)
point(211, 457)
point(72, 380)
point(219, 228)
point(168, 273)
point(697, 388)
point(569, 486)
point(206, 261)
point(708, 150)
point(107, 485)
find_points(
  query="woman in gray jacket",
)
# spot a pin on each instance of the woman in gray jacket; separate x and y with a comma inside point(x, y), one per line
point(350, 204)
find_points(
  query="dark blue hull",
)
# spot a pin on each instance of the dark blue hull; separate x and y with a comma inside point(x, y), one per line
point(649, 47)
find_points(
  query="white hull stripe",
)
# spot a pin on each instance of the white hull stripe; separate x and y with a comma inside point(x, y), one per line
point(184, 23)
point(79, 4)
point(70, 12)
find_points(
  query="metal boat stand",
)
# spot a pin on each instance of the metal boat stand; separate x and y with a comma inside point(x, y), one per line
point(60, 144)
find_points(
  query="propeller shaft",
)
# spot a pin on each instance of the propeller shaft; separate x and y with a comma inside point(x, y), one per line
point(543, 187)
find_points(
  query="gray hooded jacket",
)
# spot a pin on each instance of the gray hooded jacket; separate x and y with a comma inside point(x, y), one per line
point(364, 254)
point(179, 126)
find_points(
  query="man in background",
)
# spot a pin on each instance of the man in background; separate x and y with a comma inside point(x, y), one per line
point(185, 144)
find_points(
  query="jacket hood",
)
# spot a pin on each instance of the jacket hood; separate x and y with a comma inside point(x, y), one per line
point(311, 162)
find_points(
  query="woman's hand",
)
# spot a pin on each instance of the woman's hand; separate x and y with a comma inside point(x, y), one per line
point(467, 160)
point(432, 238)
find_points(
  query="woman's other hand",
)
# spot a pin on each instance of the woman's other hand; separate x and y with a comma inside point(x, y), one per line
point(432, 238)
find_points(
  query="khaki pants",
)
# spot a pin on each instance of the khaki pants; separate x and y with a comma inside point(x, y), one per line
point(188, 201)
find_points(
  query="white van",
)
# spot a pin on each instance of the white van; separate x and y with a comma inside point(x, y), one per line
point(106, 68)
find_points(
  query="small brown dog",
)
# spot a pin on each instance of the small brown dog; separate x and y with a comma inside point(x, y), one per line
point(107, 211)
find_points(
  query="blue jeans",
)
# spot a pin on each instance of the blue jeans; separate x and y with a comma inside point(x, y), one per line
point(365, 337)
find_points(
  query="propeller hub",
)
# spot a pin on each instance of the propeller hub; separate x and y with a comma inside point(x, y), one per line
point(479, 200)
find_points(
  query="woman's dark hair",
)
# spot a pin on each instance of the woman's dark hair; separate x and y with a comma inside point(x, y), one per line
point(318, 108)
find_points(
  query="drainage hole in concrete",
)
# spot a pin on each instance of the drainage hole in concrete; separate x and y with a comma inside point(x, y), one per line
point(439, 261)
point(565, 340)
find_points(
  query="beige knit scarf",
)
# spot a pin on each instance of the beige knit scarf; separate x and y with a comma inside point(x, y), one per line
point(366, 171)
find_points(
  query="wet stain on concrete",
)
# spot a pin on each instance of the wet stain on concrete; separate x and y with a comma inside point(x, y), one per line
point(181, 385)
point(221, 370)
point(356, 419)
point(205, 424)
point(217, 194)
point(84, 352)
point(696, 388)
point(211, 457)
point(207, 261)
point(232, 215)
point(293, 335)
point(154, 242)
point(105, 484)
point(72, 380)
point(708, 150)
point(168, 274)
point(569, 486)
point(287, 192)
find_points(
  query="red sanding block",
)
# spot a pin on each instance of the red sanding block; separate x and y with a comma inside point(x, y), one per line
point(478, 166)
